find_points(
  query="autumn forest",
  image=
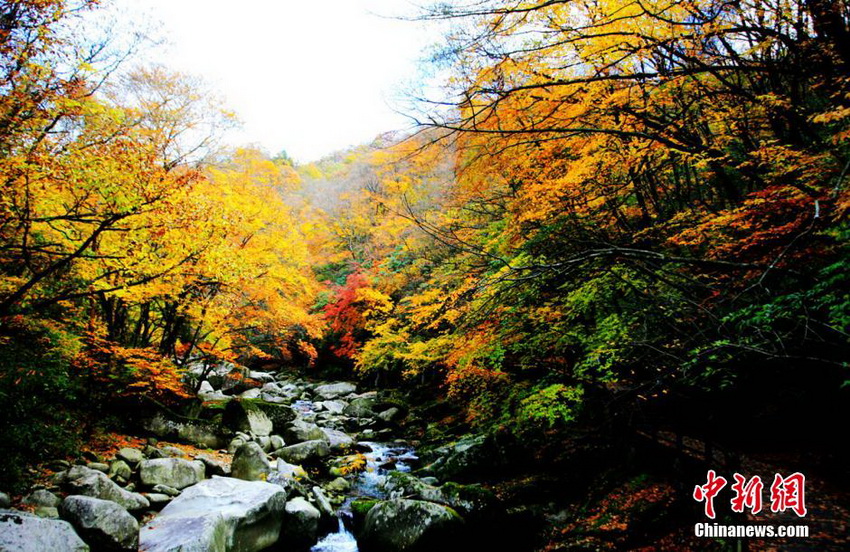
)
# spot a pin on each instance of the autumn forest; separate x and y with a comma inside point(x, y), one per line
point(615, 243)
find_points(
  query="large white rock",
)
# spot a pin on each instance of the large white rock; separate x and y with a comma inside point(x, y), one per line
point(21, 532)
point(218, 515)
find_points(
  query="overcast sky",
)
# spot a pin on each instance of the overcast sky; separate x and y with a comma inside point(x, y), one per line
point(308, 77)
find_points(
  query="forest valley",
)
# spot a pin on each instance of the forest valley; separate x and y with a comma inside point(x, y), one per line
point(623, 229)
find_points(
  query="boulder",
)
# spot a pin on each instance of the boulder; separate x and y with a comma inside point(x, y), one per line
point(166, 490)
point(173, 472)
point(293, 471)
point(334, 390)
point(103, 524)
point(276, 442)
point(334, 407)
point(218, 515)
point(470, 500)
point(299, 431)
point(43, 498)
point(198, 432)
point(269, 398)
point(120, 470)
point(5, 500)
point(130, 455)
point(248, 417)
point(300, 524)
point(80, 480)
point(250, 463)
point(408, 526)
point(263, 377)
point(308, 451)
point(390, 415)
point(250, 394)
point(464, 460)
point(360, 408)
point(338, 440)
point(214, 466)
point(158, 500)
point(338, 485)
point(329, 519)
point(207, 394)
point(21, 532)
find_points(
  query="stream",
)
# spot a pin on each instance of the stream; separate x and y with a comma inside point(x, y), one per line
point(368, 485)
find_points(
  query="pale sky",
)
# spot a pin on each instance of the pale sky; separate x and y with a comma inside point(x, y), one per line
point(307, 77)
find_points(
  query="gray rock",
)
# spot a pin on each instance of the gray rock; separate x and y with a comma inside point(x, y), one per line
point(276, 442)
point(213, 466)
point(174, 472)
point(308, 451)
point(338, 485)
point(300, 431)
point(469, 500)
point(165, 489)
point(198, 432)
point(130, 455)
point(158, 500)
point(42, 497)
point(408, 526)
point(5, 500)
point(80, 480)
point(465, 459)
point(334, 390)
point(210, 395)
point(264, 441)
point(300, 523)
point(264, 377)
point(235, 444)
point(335, 407)
point(360, 408)
point(21, 532)
point(250, 463)
point(250, 394)
point(99, 466)
point(218, 515)
point(272, 388)
point(292, 471)
point(268, 397)
point(120, 468)
point(322, 503)
point(152, 452)
point(171, 452)
point(103, 524)
point(338, 440)
point(248, 417)
point(390, 415)
point(51, 512)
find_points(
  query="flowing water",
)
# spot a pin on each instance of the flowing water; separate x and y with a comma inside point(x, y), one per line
point(367, 484)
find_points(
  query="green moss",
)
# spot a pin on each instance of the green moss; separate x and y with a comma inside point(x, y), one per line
point(362, 506)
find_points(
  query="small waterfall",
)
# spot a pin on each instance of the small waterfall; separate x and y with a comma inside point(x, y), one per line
point(341, 541)
point(367, 484)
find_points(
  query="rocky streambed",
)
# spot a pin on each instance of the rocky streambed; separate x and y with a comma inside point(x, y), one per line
point(289, 465)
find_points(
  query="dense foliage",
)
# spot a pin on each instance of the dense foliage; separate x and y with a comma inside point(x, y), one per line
point(643, 197)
